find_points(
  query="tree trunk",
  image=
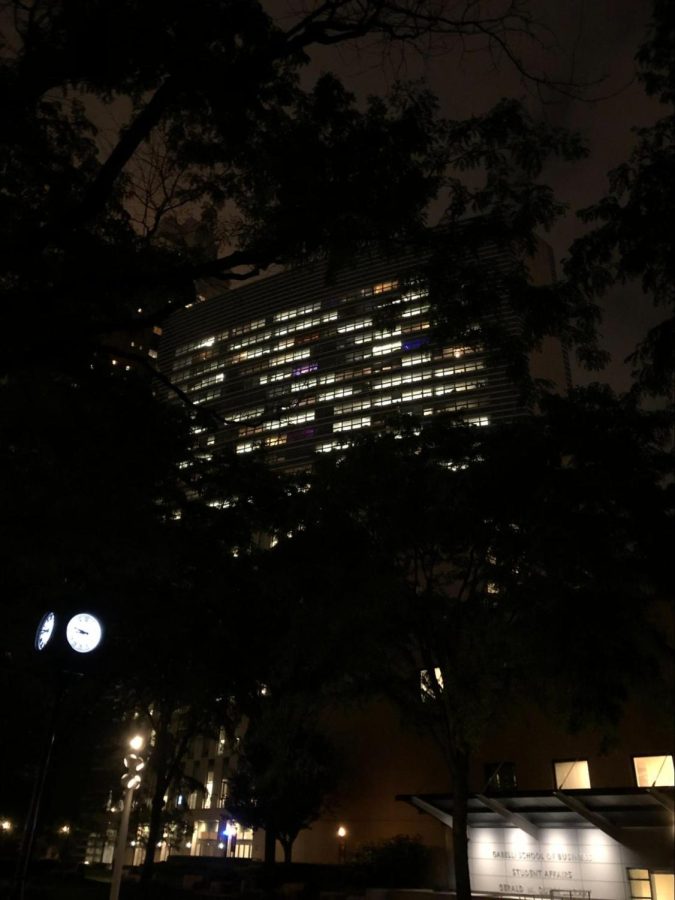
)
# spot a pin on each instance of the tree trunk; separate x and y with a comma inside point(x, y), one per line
point(154, 834)
point(287, 847)
point(460, 837)
point(270, 846)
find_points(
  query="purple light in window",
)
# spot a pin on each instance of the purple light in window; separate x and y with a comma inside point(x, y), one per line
point(305, 370)
point(301, 434)
point(415, 343)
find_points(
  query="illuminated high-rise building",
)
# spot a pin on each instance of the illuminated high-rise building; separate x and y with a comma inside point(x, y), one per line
point(298, 363)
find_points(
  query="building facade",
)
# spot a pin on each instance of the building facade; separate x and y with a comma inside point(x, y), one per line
point(298, 363)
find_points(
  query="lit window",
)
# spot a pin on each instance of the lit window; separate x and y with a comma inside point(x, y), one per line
point(457, 352)
point(333, 445)
point(206, 382)
point(295, 419)
point(391, 381)
point(208, 797)
point(277, 376)
point(416, 359)
point(211, 394)
point(354, 406)
point(640, 884)
point(253, 339)
point(275, 440)
point(382, 349)
point(304, 385)
point(351, 424)
point(253, 353)
point(355, 325)
point(294, 313)
point(572, 774)
point(245, 414)
point(385, 400)
point(415, 311)
point(480, 421)
point(416, 394)
point(387, 333)
point(246, 447)
point(306, 369)
point(248, 326)
point(338, 392)
point(431, 683)
point(285, 344)
point(654, 771)
point(381, 288)
point(458, 370)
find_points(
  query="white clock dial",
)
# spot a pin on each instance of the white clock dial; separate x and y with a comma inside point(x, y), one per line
point(44, 630)
point(84, 632)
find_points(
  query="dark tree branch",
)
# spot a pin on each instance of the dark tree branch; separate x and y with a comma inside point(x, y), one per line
point(99, 191)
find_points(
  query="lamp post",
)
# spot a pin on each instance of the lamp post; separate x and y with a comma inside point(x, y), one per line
point(131, 779)
point(342, 836)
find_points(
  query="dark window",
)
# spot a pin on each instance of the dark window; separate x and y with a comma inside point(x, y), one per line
point(500, 776)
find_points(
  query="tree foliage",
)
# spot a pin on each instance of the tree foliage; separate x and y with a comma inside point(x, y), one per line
point(285, 772)
point(632, 237)
point(487, 539)
point(276, 168)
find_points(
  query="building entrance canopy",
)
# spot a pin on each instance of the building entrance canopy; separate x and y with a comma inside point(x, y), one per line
point(573, 843)
point(606, 809)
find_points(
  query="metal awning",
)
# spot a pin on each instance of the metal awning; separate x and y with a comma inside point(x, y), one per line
point(611, 810)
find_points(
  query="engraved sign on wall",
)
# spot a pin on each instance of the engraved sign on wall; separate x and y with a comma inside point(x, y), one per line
point(571, 862)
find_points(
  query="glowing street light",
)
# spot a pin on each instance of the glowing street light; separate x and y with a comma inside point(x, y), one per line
point(342, 843)
point(131, 779)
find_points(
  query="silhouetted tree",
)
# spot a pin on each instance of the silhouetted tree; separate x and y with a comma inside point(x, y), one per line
point(285, 772)
point(632, 238)
point(211, 100)
point(494, 535)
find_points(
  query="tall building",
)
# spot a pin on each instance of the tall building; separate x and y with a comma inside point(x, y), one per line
point(298, 363)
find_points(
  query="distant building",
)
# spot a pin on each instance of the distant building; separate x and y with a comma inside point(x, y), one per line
point(298, 364)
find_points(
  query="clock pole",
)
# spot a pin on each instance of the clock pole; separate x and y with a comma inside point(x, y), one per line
point(83, 634)
point(26, 848)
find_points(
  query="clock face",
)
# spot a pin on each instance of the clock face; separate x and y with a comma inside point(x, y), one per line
point(84, 632)
point(44, 630)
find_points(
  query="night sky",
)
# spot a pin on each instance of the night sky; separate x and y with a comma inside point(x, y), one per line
point(593, 41)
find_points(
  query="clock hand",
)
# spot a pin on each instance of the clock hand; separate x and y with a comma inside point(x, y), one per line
point(82, 631)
